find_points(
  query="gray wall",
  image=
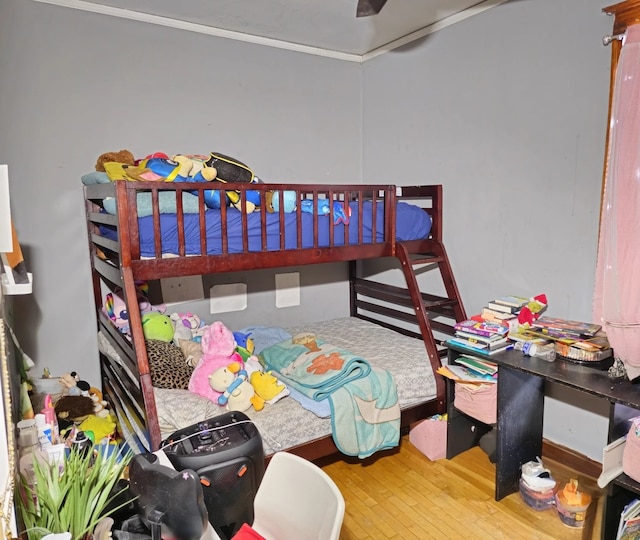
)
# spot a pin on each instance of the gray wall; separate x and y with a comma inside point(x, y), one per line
point(508, 111)
point(75, 85)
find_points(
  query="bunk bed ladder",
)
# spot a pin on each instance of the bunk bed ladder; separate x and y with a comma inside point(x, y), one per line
point(401, 308)
point(431, 309)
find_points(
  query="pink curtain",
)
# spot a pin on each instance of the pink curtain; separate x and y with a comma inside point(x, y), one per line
point(616, 303)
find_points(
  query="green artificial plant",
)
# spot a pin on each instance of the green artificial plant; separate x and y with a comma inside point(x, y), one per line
point(72, 495)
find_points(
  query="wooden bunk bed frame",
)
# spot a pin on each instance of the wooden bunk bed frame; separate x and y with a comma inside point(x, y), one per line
point(119, 263)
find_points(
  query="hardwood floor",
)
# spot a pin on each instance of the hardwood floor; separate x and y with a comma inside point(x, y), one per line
point(404, 495)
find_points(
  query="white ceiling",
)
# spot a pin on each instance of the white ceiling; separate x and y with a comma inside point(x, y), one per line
point(323, 27)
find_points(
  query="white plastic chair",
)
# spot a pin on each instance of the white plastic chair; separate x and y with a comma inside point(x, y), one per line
point(297, 500)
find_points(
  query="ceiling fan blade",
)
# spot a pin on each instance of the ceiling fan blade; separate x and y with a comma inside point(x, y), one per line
point(369, 7)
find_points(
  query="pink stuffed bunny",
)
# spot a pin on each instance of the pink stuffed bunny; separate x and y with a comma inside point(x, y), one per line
point(218, 350)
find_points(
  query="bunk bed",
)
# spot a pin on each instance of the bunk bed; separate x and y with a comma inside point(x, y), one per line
point(144, 231)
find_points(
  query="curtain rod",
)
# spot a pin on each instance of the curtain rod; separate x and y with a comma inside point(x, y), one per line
point(606, 40)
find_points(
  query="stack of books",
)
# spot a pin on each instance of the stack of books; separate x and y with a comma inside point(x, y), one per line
point(470, 369)
point(482, 337)
point(504, 310)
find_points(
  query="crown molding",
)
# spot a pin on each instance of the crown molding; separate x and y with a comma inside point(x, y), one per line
point(269, 42)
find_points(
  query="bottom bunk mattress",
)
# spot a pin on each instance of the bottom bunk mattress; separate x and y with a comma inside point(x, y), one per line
point(287, 423)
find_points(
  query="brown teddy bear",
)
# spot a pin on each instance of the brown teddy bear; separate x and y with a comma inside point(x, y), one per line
point(123, 156)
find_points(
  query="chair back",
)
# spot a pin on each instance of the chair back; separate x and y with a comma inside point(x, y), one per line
point(297, 500)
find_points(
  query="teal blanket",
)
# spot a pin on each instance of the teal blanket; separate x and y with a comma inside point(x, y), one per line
point(316, 368)
point(365, 414)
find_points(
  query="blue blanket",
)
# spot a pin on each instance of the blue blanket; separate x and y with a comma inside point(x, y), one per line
point(412, 223)
point(365, 414)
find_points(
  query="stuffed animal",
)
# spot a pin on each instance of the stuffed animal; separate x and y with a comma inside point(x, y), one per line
point(99, 427)
point(290, 200)
point(229, 169)
point(237, 392)
point(194, 169)
point(244, 344)
point(198, 332)
point(267, 388)
point(73, 409)
point(184, 326)
point(226, 379)
point(160, 155)
point(166, 169)
point(532, 311)
point(242, 397)
point(123, 156)
point(192, 351)
point(99, 404)
point(157, 326)
point(73, 386)
point(218, 350)
point(116, 308)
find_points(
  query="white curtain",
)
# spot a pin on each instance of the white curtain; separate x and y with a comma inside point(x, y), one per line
point(616, 303)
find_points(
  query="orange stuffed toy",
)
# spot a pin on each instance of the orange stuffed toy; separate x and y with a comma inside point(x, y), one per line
point(123, 156)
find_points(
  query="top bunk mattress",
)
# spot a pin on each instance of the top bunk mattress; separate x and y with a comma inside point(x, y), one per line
point(412, 223)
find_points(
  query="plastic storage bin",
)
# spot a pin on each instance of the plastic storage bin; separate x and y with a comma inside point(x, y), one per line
point(49, 385)
point(572, 516)
point(538, 500)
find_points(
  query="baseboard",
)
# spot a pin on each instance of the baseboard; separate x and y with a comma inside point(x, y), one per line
point(571, 458)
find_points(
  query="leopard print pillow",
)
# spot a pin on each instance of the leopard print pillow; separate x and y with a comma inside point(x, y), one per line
point(167, 365)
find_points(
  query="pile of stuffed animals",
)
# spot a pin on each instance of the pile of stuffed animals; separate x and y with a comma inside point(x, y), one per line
point(214, 168)
point(230, 378)
point(224, 367)
point(81, 406)
point(160, 167)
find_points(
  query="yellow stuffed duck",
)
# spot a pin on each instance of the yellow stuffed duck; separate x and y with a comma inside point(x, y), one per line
point(237, 394)
point(267, 388)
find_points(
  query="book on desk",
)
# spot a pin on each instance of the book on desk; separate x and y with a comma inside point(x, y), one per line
point(478, 350)
point(629, 526)
point(467, 368)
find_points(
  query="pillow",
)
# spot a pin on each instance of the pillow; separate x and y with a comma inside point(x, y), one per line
point(166, 202)
point(166, 199)
point(167, 365)
point(95, 177)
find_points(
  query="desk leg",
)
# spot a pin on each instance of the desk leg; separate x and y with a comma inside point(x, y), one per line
point(520, 414)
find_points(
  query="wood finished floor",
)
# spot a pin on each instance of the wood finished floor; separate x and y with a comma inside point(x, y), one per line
point(404, 495)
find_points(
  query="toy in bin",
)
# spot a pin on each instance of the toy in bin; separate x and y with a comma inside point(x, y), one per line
point(572, 504)
point(537, 486)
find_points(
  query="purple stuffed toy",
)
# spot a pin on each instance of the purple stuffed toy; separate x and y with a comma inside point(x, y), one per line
point(218, 350)
point(116, 308)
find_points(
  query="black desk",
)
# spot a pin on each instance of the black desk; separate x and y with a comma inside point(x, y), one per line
point(520, 414)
